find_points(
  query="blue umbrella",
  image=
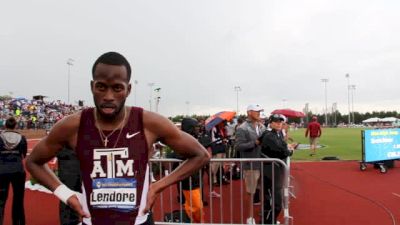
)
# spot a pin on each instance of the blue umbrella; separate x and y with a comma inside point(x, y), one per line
point(217, 118)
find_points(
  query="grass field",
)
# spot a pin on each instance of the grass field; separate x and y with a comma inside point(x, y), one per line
point(345, 143)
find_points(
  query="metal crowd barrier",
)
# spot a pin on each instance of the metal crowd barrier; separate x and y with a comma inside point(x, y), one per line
point(229, 207)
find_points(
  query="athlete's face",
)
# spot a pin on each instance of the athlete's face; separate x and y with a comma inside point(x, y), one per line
point(110, 88)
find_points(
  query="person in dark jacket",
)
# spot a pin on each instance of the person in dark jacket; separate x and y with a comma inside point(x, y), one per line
point(273, 145)
point(192, 195)
point(13, 149)
point(69, 174)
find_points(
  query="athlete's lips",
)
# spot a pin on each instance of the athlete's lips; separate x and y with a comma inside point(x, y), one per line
point(108, 105)
point(108, 108)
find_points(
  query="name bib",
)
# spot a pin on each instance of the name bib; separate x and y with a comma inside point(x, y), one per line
point(114, 193)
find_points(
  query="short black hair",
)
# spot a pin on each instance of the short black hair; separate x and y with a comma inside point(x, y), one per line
point(113, 58)
point(11, 123)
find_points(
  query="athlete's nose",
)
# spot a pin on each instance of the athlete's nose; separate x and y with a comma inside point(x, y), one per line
point(108, 96)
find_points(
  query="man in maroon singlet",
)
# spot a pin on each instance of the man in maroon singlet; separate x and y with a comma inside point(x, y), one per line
point(113, 144)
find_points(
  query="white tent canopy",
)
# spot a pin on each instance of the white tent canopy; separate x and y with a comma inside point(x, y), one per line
point(388, 119)
point(372, 120)
point(384, 120)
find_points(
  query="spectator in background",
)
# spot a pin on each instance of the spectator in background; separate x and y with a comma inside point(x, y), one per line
point(285, 130)
point(22, 109)
point(2, 122)
point(204, 137)
point(273, 145)
point(235, 169)
point(240, 120)
point(69, 174)
point(21, 123)
point(17, 112)
point(248, 145)
point(192, 196)
point(218, 150)
point(13, 149)
point(314, 132)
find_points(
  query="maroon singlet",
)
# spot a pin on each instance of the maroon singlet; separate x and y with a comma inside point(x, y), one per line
point(113, 177)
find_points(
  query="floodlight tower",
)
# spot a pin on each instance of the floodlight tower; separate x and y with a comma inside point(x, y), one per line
point(237, 89)
point(151, 94)
point(187, 107)
point(135, 87)
point(70, 62)
point(157, 98)
point(352, 88)
point(348, 95)
point(325, 81)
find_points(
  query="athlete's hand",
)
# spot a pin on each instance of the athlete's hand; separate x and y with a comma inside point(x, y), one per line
point(74, 203)
point(151, 197)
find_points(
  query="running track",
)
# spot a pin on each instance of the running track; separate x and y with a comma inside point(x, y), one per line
point(328, 193)
point(333, 193)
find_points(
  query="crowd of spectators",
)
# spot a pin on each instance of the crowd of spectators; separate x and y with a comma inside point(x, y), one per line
point(34, 114)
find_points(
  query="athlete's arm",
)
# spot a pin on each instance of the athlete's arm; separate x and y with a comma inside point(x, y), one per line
point(158, 127)
point(62, 134)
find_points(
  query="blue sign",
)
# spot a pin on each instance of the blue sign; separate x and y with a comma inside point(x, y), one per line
point(381, 144)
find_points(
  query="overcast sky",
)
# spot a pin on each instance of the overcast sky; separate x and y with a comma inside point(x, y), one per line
point(197, 51)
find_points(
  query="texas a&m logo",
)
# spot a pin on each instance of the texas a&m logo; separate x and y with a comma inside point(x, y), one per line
point(114, 167)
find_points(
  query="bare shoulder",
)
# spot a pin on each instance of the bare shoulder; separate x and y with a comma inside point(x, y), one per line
point(70, 122)
point(65, 131)
point(157, 126)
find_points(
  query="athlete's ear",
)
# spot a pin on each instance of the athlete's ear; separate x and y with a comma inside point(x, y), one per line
point(91, 85)
point(129, 89)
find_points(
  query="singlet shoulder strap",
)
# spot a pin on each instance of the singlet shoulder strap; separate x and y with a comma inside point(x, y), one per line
point(86, 117)
point(136, 119)
point(86, 121)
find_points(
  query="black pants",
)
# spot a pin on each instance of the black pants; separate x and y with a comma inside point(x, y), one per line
point(17, 181)
point(68, 216)
point(273, 187)
point(69, 174)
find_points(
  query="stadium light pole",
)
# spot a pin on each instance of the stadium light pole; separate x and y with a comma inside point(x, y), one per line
point(306, 110)
point(70, 62)
point(284, 100)
point(352, 88)
point(187, 108)
point(325, 81)
point(157, 98)
point(151, 93)
point(135, 87)
point(334, 110)
point(348, 96)
point(237, 89)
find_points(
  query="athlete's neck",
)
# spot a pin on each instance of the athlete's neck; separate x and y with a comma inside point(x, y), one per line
point(111, 122)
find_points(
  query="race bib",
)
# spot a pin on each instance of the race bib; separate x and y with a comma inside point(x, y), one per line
point(114, 193)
